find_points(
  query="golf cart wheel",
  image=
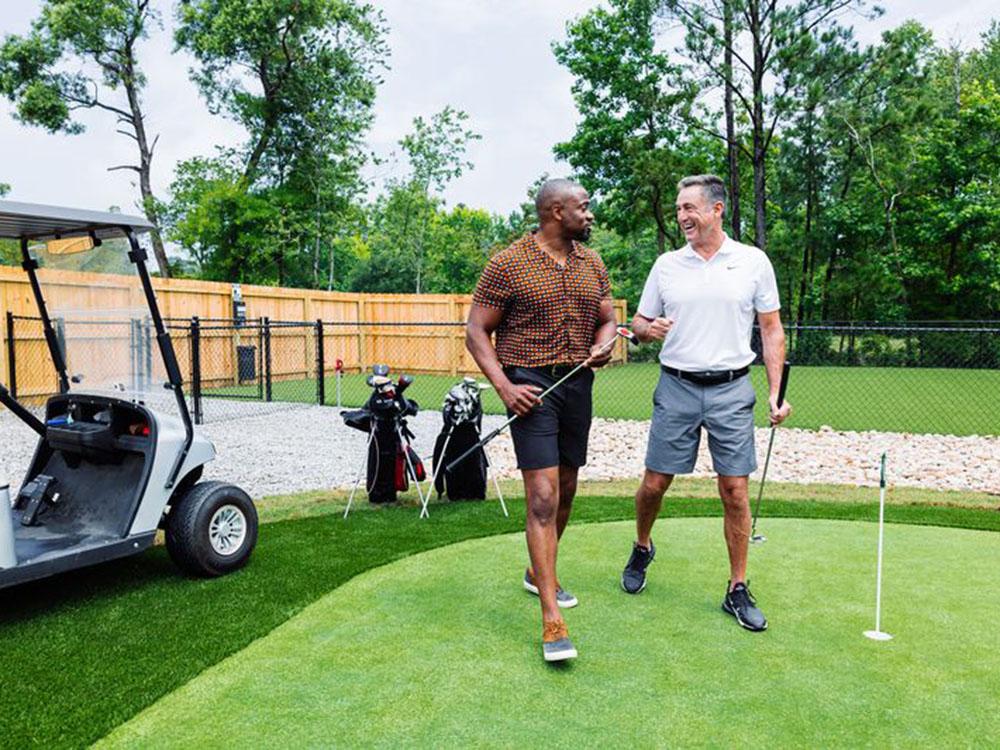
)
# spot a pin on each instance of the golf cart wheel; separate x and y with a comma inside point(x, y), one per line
point(212, 529)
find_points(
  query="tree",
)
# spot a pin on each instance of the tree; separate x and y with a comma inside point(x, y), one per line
point(83, 35)
point(300, 76)
point(405, 217)
point(768, 41)
point(628, 146)
point(289, 71)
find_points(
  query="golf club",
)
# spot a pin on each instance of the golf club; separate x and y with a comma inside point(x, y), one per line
point(621, 331)
point(756, 538)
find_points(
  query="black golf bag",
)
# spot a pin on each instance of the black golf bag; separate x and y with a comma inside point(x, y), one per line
point(462, 413)
point(383, 419)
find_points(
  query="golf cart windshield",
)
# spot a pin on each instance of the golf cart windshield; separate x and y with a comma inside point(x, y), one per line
point(103, 329)
point(102, 326)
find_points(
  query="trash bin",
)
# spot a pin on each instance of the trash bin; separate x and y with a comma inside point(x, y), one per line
point(246, 357)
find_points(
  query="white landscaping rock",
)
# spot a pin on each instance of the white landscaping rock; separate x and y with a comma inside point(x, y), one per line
point(310, 448)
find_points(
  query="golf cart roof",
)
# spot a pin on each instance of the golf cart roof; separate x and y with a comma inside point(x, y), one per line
point(34, 221)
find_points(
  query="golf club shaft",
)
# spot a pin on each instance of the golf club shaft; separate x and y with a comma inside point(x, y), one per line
point(770, 444)
point(451, 466)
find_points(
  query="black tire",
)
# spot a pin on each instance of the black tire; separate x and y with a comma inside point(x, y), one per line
point(189, 534)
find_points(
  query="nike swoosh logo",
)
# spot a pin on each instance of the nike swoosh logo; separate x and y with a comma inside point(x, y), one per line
point(730, 268)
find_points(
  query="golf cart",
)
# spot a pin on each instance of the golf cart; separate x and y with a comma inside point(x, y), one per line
point(109, 469)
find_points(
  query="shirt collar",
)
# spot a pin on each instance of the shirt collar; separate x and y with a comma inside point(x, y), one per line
point(725, 248)
point(576, 251)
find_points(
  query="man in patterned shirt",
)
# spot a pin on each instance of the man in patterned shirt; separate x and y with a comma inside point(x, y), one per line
point(548, 299)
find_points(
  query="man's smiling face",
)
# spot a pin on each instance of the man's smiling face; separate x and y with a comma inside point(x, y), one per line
point(697, 217)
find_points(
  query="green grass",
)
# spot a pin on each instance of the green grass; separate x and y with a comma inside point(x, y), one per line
point(443, 648)
point(84, 652)
point(892, 399)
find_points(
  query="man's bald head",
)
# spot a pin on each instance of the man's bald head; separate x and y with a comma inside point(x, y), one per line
point(555, 191)
point(563, 206)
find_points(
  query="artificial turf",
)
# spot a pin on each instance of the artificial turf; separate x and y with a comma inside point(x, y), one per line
point(442, 648)
point(84, 652)
point(892, 399)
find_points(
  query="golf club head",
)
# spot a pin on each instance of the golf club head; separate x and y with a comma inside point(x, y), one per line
point(758, 539)
point(625, 333)
point(380, 369)
point(404, 382)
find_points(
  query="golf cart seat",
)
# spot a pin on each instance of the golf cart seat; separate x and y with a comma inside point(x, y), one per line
point(88, 439)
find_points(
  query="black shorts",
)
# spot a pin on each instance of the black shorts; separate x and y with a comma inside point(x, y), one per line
point(555, 432)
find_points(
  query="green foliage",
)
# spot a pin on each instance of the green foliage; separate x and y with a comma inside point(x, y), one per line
point(300, 77)
point(414, 244)
point(627, 147)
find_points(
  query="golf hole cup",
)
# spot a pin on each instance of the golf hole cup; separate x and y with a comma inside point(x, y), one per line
point(7, 557)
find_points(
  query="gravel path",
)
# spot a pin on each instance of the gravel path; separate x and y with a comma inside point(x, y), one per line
point(310, 448)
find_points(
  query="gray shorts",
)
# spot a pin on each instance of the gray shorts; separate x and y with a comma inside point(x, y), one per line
point(680, 409)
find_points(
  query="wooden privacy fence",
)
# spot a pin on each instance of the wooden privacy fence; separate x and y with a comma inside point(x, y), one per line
point(358, 329)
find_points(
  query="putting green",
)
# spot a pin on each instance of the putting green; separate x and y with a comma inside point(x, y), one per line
point(442, 648)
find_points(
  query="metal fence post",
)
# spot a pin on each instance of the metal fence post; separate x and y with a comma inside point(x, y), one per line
point(266, 330)
point(147, 339)
point(196, 370)
point(11, 356)
point(320, 364)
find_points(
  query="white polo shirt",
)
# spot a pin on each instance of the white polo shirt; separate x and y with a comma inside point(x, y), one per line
point(712, 304)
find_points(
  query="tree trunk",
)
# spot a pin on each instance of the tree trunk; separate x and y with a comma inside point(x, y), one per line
point(661, 226)
point(757, 121)
point(145, 163)
point(732, 152)
point(807, 249)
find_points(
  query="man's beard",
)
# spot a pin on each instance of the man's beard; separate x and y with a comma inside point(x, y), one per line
point(582, 235)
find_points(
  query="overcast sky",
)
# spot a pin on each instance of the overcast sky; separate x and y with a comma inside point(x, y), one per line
point(491, 59)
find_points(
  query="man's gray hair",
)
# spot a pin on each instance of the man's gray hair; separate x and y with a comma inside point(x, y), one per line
point(712, 187)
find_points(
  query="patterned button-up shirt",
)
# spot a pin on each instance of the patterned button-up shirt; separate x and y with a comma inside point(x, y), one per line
point(550, 311)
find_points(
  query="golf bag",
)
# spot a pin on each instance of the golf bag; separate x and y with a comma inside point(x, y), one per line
point(383, 419)
point(462, 414)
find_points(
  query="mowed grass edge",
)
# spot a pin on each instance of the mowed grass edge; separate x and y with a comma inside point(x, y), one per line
point(125, 634)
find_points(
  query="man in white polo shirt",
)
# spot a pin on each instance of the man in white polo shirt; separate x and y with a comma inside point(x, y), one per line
point(701, 301)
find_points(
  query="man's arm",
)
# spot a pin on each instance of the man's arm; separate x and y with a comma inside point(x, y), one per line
point(772, 335)
point(650, 329)
point(600, 352)
point(483, 321)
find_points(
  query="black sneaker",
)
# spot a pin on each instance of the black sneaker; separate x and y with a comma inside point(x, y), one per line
point(740, 604)
point(634, 575)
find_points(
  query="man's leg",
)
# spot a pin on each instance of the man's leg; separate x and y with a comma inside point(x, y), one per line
point(567, 491)
point(541, 487)
point(736, 525)
point(739, 602)
point(648, 501)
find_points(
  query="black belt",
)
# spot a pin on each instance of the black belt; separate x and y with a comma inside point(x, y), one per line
point(710, 377)
point(551, 371)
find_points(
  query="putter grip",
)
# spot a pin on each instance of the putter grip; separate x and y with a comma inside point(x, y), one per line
point(784, 383)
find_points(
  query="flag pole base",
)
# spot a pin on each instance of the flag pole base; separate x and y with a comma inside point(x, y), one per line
point(877, 635)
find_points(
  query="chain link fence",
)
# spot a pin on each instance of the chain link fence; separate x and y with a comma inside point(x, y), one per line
point(929, 378)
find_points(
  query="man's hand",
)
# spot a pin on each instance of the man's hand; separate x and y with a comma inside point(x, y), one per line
point(600, 354)
point(777, 416)
point(659, 328)
point(520, 399)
